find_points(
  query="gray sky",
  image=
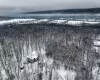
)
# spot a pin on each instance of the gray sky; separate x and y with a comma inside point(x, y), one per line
point(13, 6)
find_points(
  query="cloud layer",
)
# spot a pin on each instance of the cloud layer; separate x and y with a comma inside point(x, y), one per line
point(39, 5)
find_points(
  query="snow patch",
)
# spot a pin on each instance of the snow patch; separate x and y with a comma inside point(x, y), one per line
point(75, 22)
point(91, 22)
point(66, 74)
point(33, 55)
point(96, 73)
point(97, 43)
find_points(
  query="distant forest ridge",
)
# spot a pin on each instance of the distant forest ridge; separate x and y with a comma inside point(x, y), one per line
point(65, 11)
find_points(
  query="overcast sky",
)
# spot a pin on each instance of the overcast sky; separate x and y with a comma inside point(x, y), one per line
point(40, 5)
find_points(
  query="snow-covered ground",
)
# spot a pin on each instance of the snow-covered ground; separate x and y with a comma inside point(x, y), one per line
point(66, 74)
point(49, 21)
point(15, 21)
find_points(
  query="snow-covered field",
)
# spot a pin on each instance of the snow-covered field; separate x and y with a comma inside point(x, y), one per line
point(48, 21)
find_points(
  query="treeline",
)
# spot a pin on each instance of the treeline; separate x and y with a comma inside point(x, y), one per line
point(88, 10)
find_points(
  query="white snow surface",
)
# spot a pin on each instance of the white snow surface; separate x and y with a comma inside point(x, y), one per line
point(49, 21)
point(96, 73)
point(33, 55)
point(14, 21)
point(75, 22)
point(66, 74)
point(97, 43)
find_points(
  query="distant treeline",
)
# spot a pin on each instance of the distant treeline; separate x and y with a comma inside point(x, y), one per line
point(89, 10)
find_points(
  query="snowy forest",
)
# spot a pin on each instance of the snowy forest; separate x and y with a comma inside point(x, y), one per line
point(49, 52)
